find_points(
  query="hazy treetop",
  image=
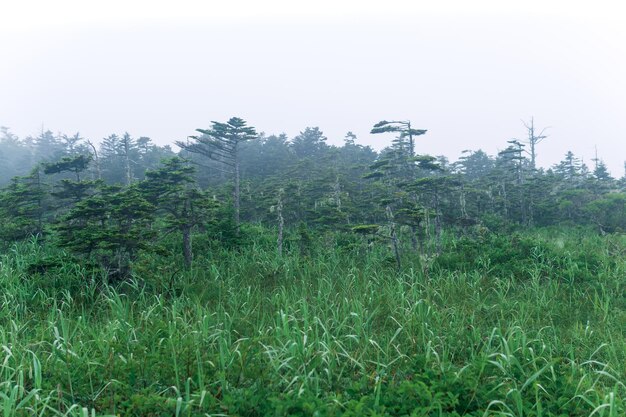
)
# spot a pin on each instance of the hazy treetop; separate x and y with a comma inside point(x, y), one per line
point(466, 71)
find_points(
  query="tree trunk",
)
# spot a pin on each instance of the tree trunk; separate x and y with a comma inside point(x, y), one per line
point(533, 141)
point(337, 193)
point(506, 203)
point(414, 242)
point(462, 202)
point(187, 249)
point(96, 159)
point(531, 207)
point(281, 224)
point(421, 238)
point(438, 230)
point(411, 145)
point(236, 192)
point(394, 237)
point(394, 241)
point(129, 173)
point(40, 209)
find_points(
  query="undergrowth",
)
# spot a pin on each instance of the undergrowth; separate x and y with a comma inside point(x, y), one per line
point(530, 324)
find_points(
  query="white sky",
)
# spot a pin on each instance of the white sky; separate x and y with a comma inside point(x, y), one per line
point(468, 71)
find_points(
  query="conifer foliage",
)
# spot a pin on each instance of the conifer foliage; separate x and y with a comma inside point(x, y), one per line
point(109, 204)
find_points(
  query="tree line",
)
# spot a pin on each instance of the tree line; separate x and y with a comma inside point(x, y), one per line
point(108, 203)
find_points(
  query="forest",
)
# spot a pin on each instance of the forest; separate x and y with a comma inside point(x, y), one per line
point(236, 273)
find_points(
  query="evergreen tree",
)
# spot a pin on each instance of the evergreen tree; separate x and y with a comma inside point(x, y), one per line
point(23, 207)
point(71, 190)
point(311, 143)
point(146, 156)
point(474, 165)
point(601, 172)
point(46, 147)
point(406, 134)
point(222, 143)
point(172, 190)
point(15, 157)
point(570, 168)
point(111, 226)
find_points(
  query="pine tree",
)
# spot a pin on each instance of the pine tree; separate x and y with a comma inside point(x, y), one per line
point(23, 207)
point(570, 168)
point(15, 157)
point(311, 143)
point(68, 190)
point(172, 190)
point(406, 134)
point(222, 143)
point(111, 226)
point(46, 147)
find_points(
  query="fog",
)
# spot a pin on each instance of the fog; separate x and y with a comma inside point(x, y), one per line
point(468, 75)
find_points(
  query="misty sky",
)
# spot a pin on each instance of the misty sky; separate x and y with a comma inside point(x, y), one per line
point(469, 72)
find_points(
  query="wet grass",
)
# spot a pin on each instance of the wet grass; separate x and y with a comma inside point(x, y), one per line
point(339, 332)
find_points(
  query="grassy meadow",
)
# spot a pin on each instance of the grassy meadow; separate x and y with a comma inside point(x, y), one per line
point(530, 324)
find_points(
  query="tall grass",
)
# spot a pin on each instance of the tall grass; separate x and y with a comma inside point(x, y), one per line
point(339, 332)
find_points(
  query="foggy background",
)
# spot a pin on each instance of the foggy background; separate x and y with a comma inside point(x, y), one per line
point(467, 73)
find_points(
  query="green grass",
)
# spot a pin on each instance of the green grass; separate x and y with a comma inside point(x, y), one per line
point(531, 325)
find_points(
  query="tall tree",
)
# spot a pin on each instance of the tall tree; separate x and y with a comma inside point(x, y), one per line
point(72, 144)
point(15, 156)
point(570, 168)
point(474, 165)
point(400, 165)
point(127, 148)
point(46, 146)
point(22, 207)
point(511, 166)
point(406, 134)
point(96, 158)
point(111, 165)
point(172, 190)
point(533, 140)
point(222, 143)
point(309, 144)
point(71, 190)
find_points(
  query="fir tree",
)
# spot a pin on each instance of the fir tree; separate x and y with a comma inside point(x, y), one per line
point(172, 190)
point(222, 143)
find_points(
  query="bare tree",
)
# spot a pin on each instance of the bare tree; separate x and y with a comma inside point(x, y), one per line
point(127, 144)
point(281, 221)
point(533, 140)
point(96, 159)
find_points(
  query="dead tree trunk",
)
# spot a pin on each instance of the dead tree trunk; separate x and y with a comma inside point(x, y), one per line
point(281, 223)
point(129, 174)
point(96, 159)
point(533, 140)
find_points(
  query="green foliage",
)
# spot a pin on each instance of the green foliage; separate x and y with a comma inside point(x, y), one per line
point(609, 212)
point(23, 207)
point(304, 239)
point(111, 226)
point(75, 164)
point(484, 316)
point(70, 191)
point(247, 333)
point(520, 256)
point(172, 189)
point(366, 229)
